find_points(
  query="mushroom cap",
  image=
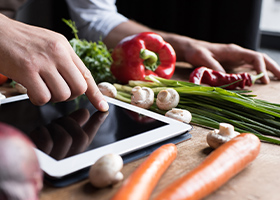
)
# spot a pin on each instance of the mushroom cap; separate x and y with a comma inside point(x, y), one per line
point(142, 97)
point(106, 171)
point(167, 99)
point(225, 133)
point(179, 114)
point(2, 96)
point(107, 89)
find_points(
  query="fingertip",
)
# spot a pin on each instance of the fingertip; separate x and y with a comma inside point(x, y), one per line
point(97, 99)
point(265, 79)
point(103, 106)
point(95, 96)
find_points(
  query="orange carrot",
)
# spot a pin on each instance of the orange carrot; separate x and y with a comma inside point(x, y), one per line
point(140, 184)
point(221, 165)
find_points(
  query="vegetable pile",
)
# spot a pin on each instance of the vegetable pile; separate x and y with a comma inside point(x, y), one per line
point(209, 106)
point(213, 105)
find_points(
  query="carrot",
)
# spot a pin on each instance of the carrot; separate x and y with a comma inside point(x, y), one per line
point(221, 165)
point(140, 184)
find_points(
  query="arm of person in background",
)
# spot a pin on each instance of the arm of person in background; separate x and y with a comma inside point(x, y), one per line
point(45, 63)
point(99, 19)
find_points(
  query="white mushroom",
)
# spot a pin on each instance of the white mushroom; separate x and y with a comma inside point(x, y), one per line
point(2, 96)
point(225, 133)
point(20, 88)
point(167, 99)
point(179, 114)
point(106, 171)
point(142, 97)
point(107, 89)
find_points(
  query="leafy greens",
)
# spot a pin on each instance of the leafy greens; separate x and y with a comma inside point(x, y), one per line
point(95, 55)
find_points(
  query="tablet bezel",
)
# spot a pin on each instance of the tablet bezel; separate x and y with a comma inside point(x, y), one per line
point(60, 168)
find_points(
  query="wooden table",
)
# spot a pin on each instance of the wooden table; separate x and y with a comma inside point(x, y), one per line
point(259, 181)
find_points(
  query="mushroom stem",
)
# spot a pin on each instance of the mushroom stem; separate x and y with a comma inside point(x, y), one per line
point(225, 133)
point(226, 129)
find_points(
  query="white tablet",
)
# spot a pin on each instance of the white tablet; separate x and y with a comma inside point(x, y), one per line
point(71, 136)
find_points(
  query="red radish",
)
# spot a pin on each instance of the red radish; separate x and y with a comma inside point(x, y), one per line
point(20, 173)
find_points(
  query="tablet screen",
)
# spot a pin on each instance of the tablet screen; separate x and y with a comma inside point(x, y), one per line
point(65, 129)
point(71, 136)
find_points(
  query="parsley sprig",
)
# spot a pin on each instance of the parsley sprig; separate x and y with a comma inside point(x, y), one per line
point(95, 55)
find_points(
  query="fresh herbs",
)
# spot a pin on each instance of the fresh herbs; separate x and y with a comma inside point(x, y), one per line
point(211, 106)
point(95, 55)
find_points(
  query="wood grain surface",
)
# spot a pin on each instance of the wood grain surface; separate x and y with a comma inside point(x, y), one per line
point(259, 181)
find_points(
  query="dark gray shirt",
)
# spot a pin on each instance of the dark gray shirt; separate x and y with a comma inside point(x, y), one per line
point(9, 7)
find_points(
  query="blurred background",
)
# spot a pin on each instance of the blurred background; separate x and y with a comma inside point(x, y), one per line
point(270, 21)
point(270, 29)
point(253, 24)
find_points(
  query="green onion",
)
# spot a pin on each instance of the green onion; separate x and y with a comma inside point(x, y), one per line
point(213, 105)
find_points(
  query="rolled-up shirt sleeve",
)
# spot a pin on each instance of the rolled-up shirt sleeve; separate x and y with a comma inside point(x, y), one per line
point(94, 18)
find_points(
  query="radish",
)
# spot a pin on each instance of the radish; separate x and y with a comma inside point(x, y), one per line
point(20, 173)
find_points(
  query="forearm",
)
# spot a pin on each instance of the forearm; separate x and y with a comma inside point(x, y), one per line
point(181, 44)
point(131, 27)
point(200, 53)
point(123, 30)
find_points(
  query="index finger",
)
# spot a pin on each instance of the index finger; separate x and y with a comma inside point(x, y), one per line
point(272, 66)
point(93, 93)
point(257, 61)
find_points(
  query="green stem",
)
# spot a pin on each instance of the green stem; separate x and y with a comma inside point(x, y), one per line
point(211, 105)
point(150, 59)
point(256, 77)
point(120, 96)
point(123, 88)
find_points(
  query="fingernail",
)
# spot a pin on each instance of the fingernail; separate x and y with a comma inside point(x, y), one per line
point(103, 106)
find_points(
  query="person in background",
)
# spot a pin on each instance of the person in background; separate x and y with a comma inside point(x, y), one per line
point(97, 19)
point(43, 61)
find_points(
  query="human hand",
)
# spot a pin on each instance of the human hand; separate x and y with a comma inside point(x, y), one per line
point(223, 57)
point(68, 135)
point(45, 63)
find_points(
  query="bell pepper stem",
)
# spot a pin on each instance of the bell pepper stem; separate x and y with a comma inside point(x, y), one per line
point(150, 59)
point(256, 77)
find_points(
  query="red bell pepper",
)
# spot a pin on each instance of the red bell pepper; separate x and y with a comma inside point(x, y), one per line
point(143, 54)
point(217, 79)
point(3, 79)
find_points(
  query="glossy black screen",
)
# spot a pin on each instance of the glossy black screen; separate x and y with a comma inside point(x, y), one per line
point(65, 129)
